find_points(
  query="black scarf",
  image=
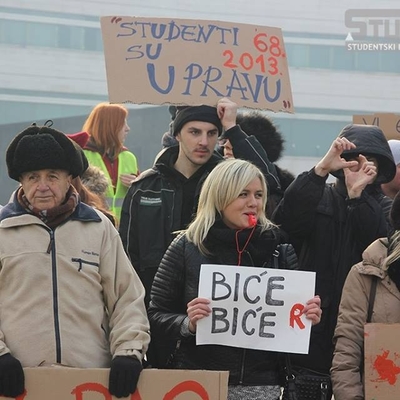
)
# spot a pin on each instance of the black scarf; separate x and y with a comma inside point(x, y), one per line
point(260, 245)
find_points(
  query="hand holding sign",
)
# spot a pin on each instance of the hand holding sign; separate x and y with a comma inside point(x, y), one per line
point(197, 309)
point(227, 111)
point(312, 310)
point(258, 308)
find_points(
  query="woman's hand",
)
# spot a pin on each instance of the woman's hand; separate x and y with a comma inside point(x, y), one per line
point(197, 309)
point(313, 311)
point(127, 179)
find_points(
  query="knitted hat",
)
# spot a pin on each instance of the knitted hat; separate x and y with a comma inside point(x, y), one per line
point(395, 148)
point(203, 113)
point(41, 147)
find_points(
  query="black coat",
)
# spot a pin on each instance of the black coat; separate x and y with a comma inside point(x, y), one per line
point(153, 210)
point(330, 232)
point(176, 283)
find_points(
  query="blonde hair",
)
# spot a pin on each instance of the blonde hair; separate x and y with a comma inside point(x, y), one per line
point(104, 124)
point(394, 250)
point(222, 186)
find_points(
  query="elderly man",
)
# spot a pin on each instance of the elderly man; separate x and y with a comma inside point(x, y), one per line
point(68, 292)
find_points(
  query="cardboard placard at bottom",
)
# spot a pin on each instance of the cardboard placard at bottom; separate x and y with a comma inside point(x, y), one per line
point(62, 383)
point(382, 361)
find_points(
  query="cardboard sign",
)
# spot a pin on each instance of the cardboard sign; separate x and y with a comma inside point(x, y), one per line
point(60, 383)
point(183, 61)
point(256, 308)
point(382, 361)
point(389, 123)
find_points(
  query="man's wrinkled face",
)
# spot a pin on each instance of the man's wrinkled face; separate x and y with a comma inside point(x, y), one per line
point(46, 188)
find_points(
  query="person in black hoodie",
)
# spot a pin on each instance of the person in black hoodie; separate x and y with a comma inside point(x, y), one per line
point(330, 225)
point(230, 228)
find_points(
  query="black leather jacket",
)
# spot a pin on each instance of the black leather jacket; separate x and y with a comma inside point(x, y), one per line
point(176, 283)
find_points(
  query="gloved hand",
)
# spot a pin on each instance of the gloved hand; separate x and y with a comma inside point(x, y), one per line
point(12, 378)
point(124, 375)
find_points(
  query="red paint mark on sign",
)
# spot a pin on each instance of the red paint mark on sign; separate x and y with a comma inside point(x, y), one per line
point(79, 391)
point(187, 386)
point(386, 368)
point(295, 316)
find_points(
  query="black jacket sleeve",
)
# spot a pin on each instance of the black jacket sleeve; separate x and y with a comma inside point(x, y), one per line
point(297, 211)
point(167, 308)
point(249, 148)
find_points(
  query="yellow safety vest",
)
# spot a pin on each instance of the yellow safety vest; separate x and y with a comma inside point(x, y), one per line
point(127, 164)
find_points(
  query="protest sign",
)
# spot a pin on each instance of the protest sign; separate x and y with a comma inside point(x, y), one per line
point(382, 361)
point(182, 61)
point(388, 122)
point(61, 383)
point(256, 308)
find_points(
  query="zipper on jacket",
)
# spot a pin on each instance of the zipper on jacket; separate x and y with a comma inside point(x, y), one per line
point(51, 242)
point(52, 249)
point(81, 262)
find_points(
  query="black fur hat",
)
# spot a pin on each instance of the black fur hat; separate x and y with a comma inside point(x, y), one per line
point(41, 147)
point(255, 123)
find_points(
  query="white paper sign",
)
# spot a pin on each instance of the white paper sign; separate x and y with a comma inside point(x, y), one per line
point(256, 308)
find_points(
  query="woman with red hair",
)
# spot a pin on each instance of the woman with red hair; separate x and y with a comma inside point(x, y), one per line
point(107, 128)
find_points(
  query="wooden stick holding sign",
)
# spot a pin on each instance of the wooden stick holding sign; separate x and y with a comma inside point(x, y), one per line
point(182, 61)
point(256, 308)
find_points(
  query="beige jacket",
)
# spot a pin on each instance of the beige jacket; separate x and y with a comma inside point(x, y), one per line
point(346, 368)
point(68, 296)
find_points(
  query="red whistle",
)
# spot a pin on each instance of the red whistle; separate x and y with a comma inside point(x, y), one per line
point(252, 220)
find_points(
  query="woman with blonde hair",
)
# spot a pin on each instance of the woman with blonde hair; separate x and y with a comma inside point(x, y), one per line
point(230, 228)
point(107, 126)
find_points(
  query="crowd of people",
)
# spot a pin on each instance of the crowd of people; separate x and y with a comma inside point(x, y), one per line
point(88, 240)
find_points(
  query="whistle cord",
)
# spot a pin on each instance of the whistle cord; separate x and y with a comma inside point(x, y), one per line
point(240, 251)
